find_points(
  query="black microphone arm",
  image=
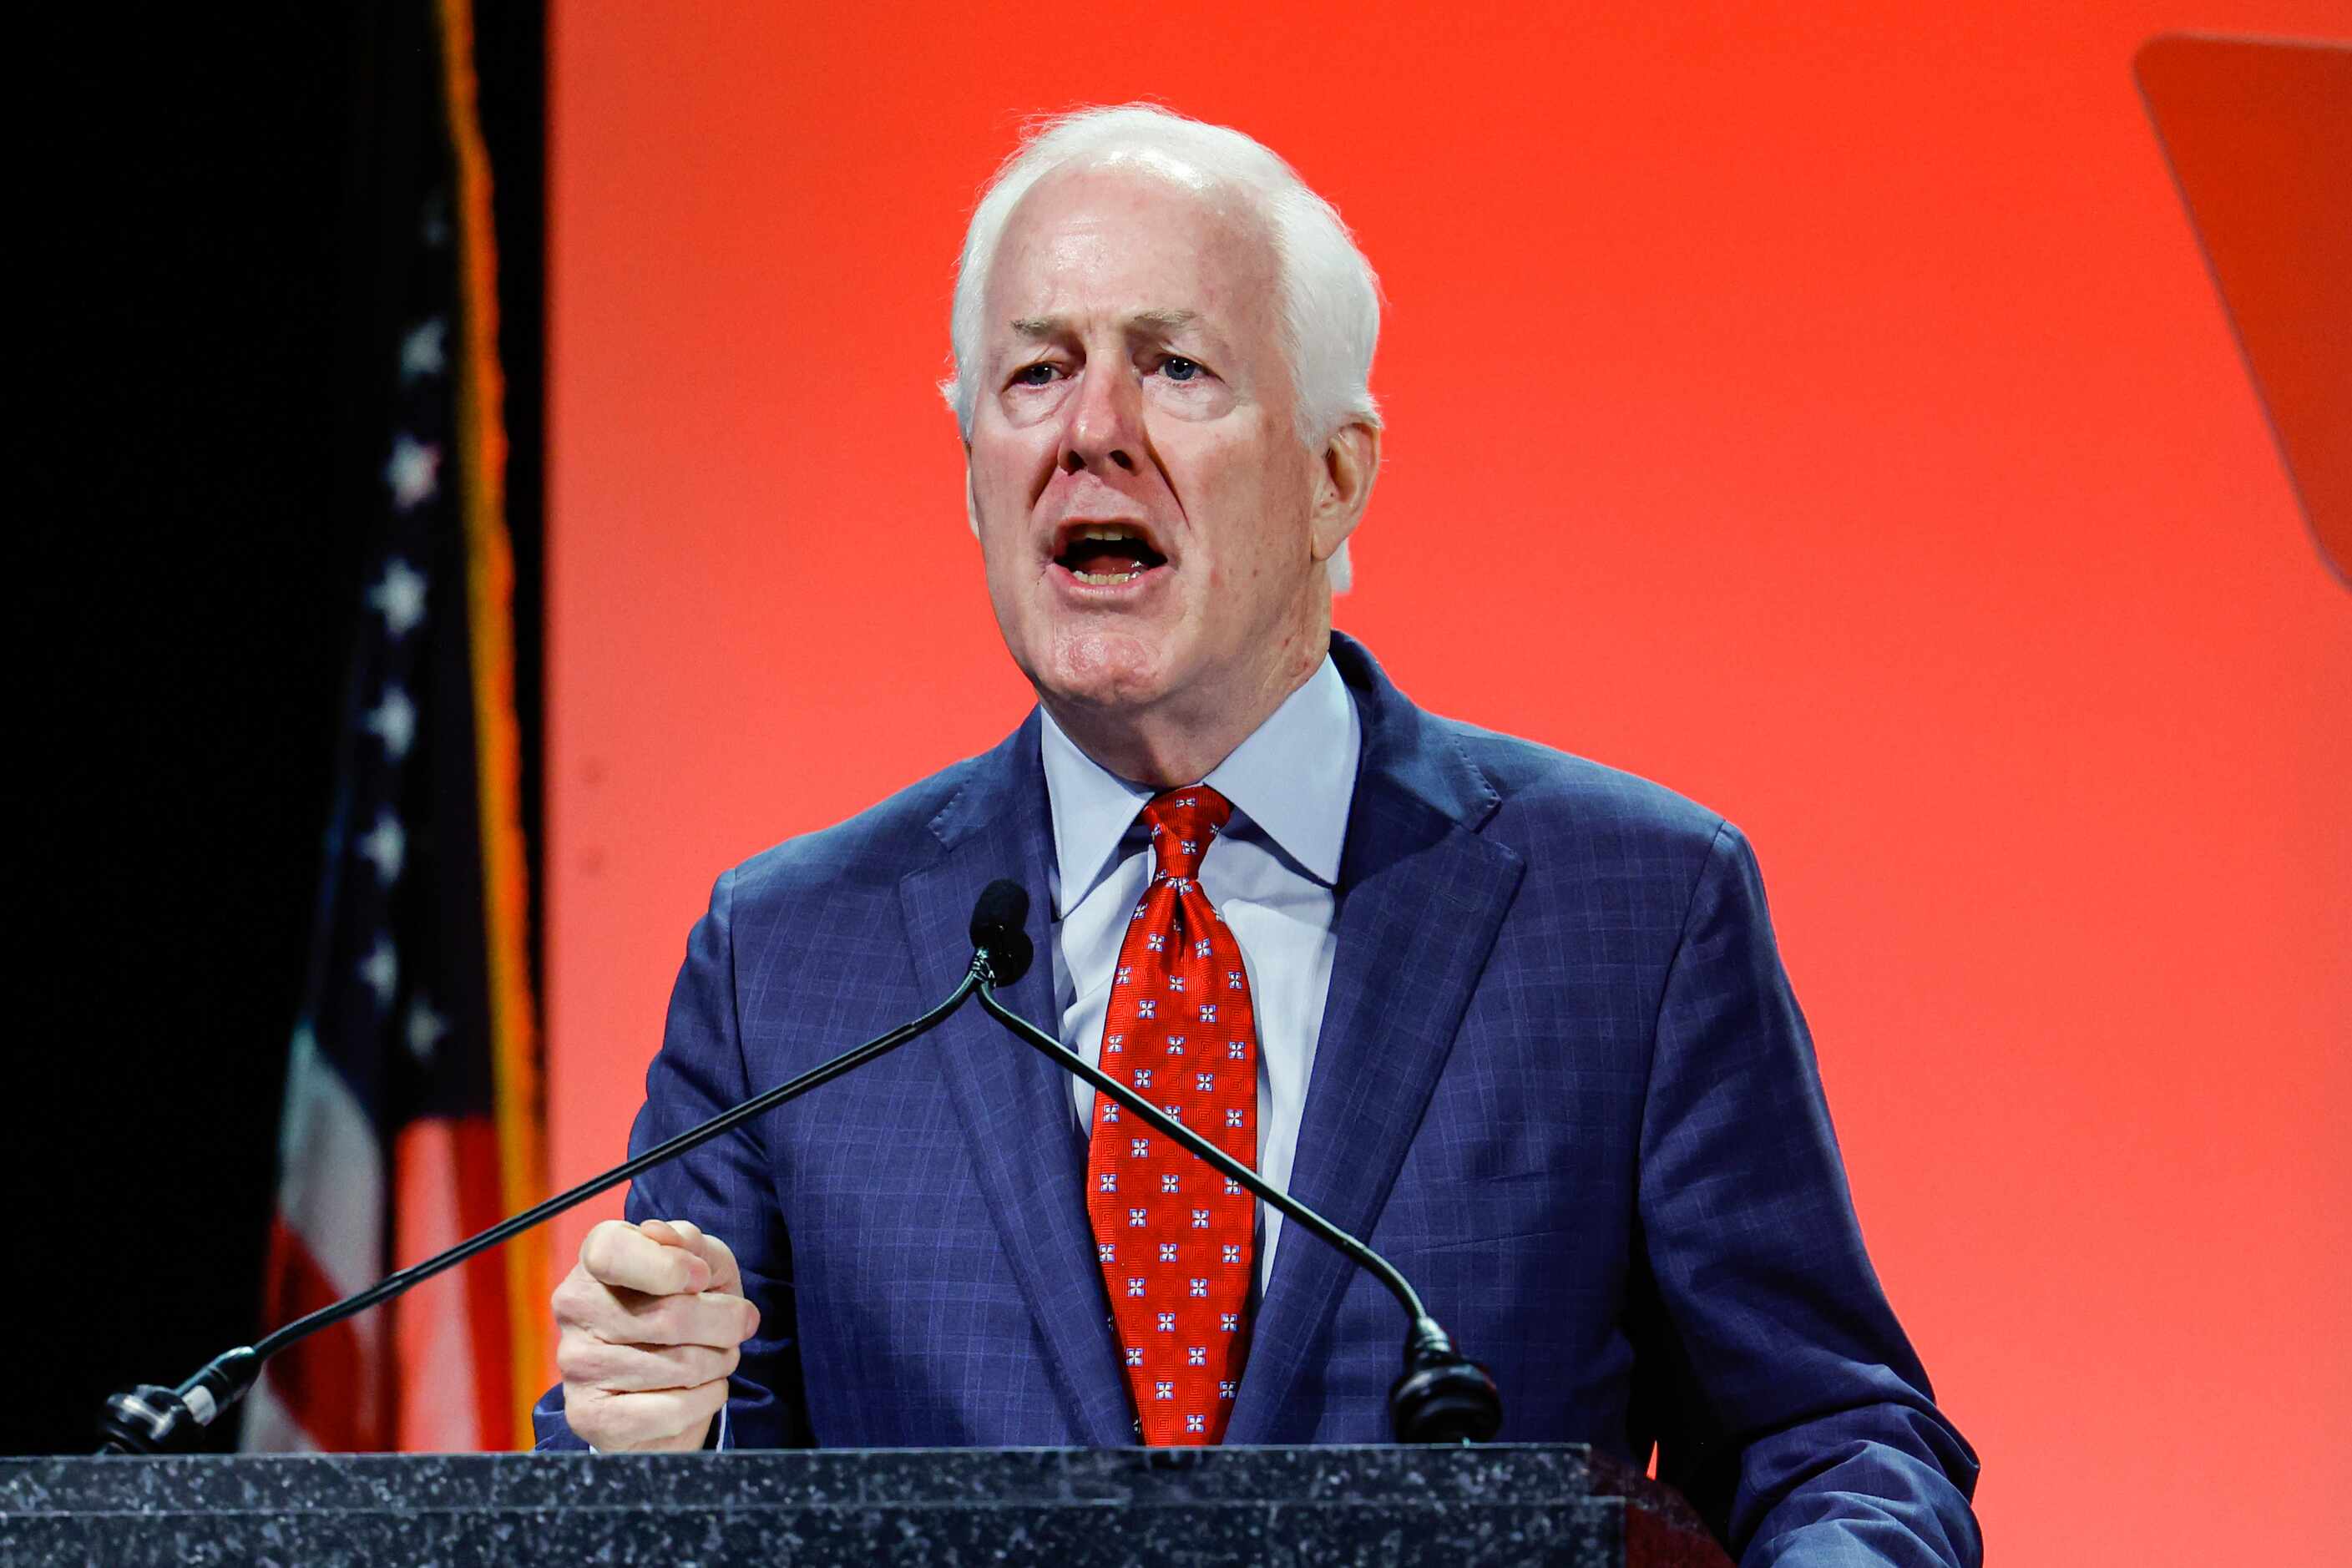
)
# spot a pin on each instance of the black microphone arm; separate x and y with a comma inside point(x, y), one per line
point(150, 1419)
point(1442, 1396)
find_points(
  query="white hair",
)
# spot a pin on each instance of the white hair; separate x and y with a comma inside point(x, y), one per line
point(1330, 304)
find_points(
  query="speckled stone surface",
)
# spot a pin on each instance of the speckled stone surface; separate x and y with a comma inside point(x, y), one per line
point(1064, 1507)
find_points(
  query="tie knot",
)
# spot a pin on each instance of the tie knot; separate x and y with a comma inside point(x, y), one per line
point(1182, 823)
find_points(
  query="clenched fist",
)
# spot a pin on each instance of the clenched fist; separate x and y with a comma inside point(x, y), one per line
point(650, 1322)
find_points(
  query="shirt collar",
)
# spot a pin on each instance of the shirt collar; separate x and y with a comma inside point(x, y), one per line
point(1293, 778)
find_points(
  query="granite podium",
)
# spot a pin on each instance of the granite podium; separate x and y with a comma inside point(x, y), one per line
point(1387, 1506)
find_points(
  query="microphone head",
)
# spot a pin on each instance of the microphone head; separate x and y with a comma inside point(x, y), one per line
point(996, 922)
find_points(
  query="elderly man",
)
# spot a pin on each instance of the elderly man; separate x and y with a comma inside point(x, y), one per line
point(1515, 1018)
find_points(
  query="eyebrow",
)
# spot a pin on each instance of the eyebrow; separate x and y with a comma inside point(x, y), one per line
point(1165, 319)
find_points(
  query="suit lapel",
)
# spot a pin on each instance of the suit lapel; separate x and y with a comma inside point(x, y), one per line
point(1013, 1104)
point(1420, 901)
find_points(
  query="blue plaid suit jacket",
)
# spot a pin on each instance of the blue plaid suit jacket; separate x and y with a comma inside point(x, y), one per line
point(1562, 1083)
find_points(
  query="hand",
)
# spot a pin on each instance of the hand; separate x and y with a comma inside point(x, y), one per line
point(650, 1322)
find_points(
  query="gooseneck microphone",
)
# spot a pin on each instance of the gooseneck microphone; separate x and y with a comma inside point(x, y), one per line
point(1442, 1396)
point(150, 1419)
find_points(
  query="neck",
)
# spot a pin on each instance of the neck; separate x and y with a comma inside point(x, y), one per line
point(1181, 739)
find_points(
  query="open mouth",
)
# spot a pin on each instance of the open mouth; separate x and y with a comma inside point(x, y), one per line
point(1104, 554)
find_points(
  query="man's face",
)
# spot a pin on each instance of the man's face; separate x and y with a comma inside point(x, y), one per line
point(1142, 499)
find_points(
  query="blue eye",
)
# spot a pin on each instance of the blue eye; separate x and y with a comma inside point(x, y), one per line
point(1178, 368)
point(1036, 374)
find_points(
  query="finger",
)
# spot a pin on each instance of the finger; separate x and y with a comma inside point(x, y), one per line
point(691, 1237)
point(725, 1274)
point(618, 1316)
point(711, 1318)
point(621, 1255)
point(620, 1368)
point(679, 1413)
point(666, 1418)
point(668, 1231)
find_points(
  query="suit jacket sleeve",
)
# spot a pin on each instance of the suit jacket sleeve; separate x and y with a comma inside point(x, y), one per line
point(1804, 1425)
point(725, 1186)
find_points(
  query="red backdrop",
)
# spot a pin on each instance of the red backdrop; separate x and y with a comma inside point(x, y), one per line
point(1826, 413)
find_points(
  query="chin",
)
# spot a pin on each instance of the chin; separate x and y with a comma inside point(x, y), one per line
point(1099, 668)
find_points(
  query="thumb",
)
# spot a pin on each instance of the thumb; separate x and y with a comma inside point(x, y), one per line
point(724, 1274)
point(683, 1236)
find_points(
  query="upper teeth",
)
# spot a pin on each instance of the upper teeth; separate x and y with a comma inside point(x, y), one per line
point(1109, 531)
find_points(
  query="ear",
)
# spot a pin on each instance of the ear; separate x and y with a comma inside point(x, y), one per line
point(1346, 470)
point(971, 504)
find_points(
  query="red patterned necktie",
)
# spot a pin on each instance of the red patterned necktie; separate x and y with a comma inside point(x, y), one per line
point(1175, 1237)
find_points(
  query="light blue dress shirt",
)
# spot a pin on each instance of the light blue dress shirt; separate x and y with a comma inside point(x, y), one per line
point(1272, 873)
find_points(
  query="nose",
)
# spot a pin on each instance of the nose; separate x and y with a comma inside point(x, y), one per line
point(1105, 427)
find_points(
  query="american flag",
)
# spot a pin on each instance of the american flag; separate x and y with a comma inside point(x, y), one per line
point(412, 1111)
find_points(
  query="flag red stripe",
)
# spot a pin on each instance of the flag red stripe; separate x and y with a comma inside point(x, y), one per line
point(486, 1283)
point(323, 1380)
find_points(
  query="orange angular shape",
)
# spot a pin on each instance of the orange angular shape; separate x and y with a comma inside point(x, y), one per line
point(2259, 134)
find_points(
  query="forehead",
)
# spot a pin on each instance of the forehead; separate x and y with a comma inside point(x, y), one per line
point(1127, 237)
